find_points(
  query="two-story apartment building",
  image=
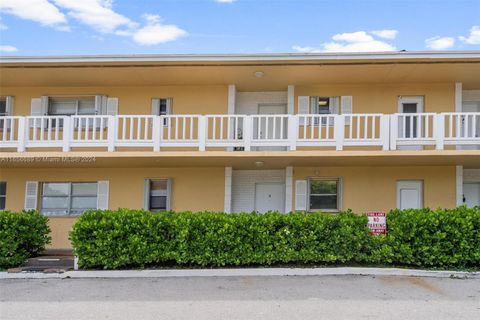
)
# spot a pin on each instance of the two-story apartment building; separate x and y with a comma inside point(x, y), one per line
point(330, 132)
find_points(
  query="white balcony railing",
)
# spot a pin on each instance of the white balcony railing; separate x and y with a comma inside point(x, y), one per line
point(241, 132)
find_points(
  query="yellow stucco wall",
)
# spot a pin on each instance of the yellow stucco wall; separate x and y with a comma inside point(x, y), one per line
point(194, 189)
point(374, 188)
point(132, 100)
point(383, 98)
point(367, 98)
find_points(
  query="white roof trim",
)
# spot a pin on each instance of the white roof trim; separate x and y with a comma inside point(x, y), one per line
point(400, 55)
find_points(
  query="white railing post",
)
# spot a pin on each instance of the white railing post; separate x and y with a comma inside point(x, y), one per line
point(247, 132)
point(292, 131)
point(202, 133)
point(22, 134)
point(439, 131)
point(156, 133)
point(112, 132)
point(339, 130)
point(67, 133)
point(384, 131)
point(393, 131)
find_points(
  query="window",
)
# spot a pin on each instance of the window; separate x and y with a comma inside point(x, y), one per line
point(67, 106)
point(162, 107)
point(158, 193)
point(68, 198)
point(3, 194)
point(3, 107)
point(324, 194)
point(325, 106)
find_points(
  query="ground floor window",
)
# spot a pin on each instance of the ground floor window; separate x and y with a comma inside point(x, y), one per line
point(3, 194)
point(157, 194)
point(324, 194)
point(68, 198)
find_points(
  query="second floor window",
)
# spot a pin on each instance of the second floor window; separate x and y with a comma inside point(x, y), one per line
point(67, 106)
point(3, 107)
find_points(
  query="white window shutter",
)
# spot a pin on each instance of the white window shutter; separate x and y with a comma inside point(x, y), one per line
point(169, 105)
point(146, 192)
point(102, 195)
point(100, 104)
point(155, 106)
point(36, 107)
point(347, 107)
point(169, 194)
point(112, 106)
point(301, 195)
point(31, 191)
point(303, 107)
point(10, 102)
point(334, 107)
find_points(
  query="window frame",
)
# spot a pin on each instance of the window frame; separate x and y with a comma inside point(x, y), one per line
point(147, 194)
point(69, 198)
point(338, 194)
point(4, 196)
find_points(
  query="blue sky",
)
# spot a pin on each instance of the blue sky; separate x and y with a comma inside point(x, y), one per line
point(65, 27)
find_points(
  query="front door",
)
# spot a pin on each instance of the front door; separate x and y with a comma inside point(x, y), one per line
point(409, 195)
point(408, 126)
point(471, 194)
point(269, 197)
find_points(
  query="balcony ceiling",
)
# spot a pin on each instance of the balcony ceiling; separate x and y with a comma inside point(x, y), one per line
point(240, 160)
point(277, 73)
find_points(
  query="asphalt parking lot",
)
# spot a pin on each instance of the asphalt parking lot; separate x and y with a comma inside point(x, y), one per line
point(266, 297)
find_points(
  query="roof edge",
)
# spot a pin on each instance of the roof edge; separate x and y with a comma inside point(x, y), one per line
point(396, 55)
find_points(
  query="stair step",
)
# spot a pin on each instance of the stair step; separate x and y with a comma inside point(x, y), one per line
point(50, 261)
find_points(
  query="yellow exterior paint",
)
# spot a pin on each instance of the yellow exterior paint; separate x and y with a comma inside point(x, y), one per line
point(374, 188)
point(193, 189)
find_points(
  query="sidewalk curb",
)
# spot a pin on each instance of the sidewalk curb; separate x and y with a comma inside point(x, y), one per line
point(240, 272)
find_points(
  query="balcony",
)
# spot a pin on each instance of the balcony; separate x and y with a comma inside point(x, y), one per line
point(240, 132)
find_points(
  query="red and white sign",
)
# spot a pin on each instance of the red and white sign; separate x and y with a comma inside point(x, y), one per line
point(377, 222)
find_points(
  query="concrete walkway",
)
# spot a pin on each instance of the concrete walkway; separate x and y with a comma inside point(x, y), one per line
point(167, 273)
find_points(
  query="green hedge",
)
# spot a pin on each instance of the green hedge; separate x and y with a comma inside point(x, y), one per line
point(136, 238)
point(22, 235)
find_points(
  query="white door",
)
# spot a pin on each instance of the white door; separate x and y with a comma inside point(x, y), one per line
point(409, 194)
point(270, 127)
point(472, 128)
point(409, 126)
point(471, 194)
point(269, 197)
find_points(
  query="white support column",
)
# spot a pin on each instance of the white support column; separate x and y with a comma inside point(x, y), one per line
point(227, 204)
point(293, 132)
point(232, 93)
point(22, 134)
point(288, 189)
point(339, 131)
point(247, 132)
point(439, 131)
point(291, 99)
point(393, 132)
point(202, 133)
point(459, 185)
point(156, 133)
point(385, 131)
point(111, 133)
point(458, 105)
point(67, 133)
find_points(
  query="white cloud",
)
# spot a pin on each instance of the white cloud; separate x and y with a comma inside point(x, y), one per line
point(8, 49)
point(386, 34)
point(97, 14)
point(3, 26)
point(154, 32)
point(40, 11)
point(359, 41)
point(474, 36)
point(225, 1)
point(439, 43)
